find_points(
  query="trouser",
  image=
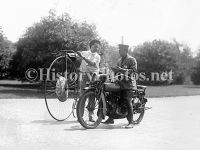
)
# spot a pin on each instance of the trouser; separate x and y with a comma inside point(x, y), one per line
point(84, 82)
point(127, 95)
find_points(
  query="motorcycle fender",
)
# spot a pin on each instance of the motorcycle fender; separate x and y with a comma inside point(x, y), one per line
point(104, 103)
point(88, 88)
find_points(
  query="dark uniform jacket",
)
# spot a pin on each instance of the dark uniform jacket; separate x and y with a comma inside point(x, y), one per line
point(130, 64)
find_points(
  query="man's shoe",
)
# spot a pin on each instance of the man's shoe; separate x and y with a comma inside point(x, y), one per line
point(109, 121)
point(129, 126)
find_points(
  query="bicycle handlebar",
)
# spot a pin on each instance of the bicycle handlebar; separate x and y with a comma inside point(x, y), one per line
point(66, 51)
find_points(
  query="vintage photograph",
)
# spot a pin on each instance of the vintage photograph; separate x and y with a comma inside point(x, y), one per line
point(99, 75)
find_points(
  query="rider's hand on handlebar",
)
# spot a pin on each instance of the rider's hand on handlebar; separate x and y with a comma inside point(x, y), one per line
point(115, 69)
point(121, 69)
point(118, 69)
point(79, 54)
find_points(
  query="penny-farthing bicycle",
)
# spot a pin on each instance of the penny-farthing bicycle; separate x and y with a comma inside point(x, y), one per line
point(62, 85)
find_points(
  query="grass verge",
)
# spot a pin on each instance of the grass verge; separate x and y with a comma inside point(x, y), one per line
point(14, 89)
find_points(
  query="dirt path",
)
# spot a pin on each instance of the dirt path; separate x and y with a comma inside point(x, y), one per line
point(172, 124)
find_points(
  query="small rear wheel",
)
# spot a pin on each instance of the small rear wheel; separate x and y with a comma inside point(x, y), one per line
point(89, 110)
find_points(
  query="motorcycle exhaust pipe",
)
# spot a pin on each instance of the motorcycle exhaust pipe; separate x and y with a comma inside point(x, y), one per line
point(146, 108)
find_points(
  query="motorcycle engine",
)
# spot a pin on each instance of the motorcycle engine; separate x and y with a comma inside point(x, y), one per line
point(111, 99)
point(115, 105)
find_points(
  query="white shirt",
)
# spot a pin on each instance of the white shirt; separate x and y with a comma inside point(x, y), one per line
point(94, 57)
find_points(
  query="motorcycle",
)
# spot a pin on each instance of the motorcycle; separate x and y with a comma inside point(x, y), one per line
point(103, 99)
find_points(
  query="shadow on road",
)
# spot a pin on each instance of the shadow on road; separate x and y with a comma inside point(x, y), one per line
point(99, 128)
point(53, 122)
point(78, 127)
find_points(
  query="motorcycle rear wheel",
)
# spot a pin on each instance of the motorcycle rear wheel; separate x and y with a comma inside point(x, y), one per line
point(85, 103)
point(138, 112)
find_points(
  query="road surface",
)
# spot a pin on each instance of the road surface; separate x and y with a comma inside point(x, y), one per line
point(172, 124)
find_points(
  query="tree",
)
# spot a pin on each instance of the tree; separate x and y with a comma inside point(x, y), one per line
point(186, 63)
point(6, 51)
point(51, 34)
point(156, 57)
point(112, 55)
point(195, 75)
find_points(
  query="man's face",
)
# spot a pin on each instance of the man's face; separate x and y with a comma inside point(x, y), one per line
point(122, 53)
point(95, 47)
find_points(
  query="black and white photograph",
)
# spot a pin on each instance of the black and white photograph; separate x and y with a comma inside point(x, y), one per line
point(99, 75)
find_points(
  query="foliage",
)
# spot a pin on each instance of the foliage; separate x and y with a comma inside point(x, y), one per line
point(112, 55)
point(157, 57)
point(51, 34)
point(161, 56)
point(195, 75)
point(6, 51)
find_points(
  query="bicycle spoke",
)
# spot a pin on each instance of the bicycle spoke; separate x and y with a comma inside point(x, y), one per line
point(57, 108)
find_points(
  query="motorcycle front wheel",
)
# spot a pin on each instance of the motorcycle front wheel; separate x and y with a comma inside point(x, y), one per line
point(89, 110)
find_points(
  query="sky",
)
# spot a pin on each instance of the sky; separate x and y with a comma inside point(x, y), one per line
point(136, 20)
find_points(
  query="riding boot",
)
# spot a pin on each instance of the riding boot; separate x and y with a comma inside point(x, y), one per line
point(130, 125)
point(130, 112)
point(109, 121)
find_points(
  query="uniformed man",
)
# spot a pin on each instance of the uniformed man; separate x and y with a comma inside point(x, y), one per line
point(126, 65)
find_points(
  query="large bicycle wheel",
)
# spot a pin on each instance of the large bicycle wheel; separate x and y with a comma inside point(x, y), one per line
point(61, 88)
point(89, 103)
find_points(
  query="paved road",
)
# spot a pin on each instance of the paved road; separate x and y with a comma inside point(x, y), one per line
point(172, 123)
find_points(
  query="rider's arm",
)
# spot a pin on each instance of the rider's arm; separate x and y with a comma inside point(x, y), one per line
point(94, 63)
point(91, 63)
point(132, 66)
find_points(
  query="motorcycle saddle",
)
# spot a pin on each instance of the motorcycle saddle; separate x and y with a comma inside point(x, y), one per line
point(141, 87)
point(112, 87)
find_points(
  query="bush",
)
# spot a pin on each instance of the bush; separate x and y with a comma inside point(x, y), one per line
point(195, 76)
